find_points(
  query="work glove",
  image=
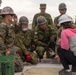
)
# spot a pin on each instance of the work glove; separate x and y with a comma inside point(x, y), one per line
point(28, 57)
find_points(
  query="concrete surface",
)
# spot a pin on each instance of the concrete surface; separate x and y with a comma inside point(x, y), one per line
point(40, 65)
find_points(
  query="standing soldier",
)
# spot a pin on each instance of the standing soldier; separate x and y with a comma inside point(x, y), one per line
point(24, 40)
point(7, 34)
point(42, 13)
point(62, 9)
point(43, 35)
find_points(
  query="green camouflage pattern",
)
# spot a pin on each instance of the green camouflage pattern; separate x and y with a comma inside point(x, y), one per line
point(34, 57)
point(42, 38)
point(47, 17)
point(24, 40)
point(7, 35)
point(56, 22)
point(18, 63)
point(40, 50)
point(17, 29)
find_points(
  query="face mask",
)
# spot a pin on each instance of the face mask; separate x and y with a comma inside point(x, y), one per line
point(24, 29)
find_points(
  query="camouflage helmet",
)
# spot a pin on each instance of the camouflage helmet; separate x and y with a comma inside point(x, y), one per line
point(42, 5)
point(23, 20)
point(7, 10)
point(62, 6)
point(41, 20)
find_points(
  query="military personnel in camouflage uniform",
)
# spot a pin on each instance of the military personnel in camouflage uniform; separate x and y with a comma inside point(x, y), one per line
point(62, 9)
point(42, 13)
point(24, 40)
point(6, 30)
point(7, 34)
point(43, 35)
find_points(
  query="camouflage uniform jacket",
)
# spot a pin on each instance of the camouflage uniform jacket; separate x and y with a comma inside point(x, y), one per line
point(17, 28)
point(56, 21)
point(41, 38)
point(46, 15)
point(7, 35)
point(23, 40)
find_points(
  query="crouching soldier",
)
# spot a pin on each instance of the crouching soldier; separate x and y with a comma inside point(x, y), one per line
point(24, 40)
point(43, 35)
point(7, 35)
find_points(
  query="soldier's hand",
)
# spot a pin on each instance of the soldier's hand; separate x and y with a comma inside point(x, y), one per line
point(58, 58)
point(7, 53)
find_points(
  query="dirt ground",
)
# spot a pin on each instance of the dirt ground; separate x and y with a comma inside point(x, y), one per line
point(41, 71)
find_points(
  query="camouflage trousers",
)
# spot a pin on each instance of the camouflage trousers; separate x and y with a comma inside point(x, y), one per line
point(40, 50)
point(18, 62)
point(34, 59)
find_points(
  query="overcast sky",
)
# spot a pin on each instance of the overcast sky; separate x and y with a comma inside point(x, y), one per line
point(29, 8)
